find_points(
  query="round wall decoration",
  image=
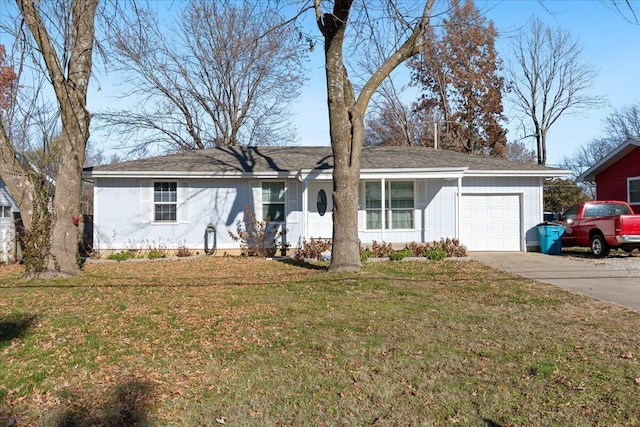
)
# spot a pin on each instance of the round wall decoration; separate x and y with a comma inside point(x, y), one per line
point(321, 202)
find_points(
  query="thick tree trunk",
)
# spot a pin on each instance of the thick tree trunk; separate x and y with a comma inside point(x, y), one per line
point(346, 144)
point(70, 79)
point(65, 234)
point(346, 124)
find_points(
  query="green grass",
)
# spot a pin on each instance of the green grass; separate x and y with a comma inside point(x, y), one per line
point(266, 343)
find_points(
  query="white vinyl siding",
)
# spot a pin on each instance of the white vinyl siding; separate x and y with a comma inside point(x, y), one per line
point(223, 202)
point(184, 194)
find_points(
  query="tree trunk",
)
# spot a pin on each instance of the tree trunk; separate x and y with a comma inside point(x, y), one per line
point(346, 143)
point(346, 124)
point(65, 235)
point(70, 80)
point(16, 179)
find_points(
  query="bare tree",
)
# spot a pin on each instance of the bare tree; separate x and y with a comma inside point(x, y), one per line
point(221, 73)
point(347, 111)
point(458, 74)
point(625, 8)
point(549, 79)
point(395, 123)
point(620, 125)
point(59, 37)
point(7, 80)
point(623, 123)
point(517, 151)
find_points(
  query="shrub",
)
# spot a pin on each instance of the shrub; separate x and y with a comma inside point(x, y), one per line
point(380, 250)
point(435, 254)
point(399, 255)
point(155, 254)
point(120, 256)
point(417, 249)
point(434, 250)
point(155, 251)
point(257, 238)
point(365, 255)
point(452, 247)
point(183, 251)
point(313, 249)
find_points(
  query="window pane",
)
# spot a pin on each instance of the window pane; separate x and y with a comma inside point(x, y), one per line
point(273, 211)
point(402, 219)
point(165, 212)
point(5, 211)
point(401, 195)
point(634, 191)
point(614, 209)
point(273, 192)
point(571, 213)
point(373, 195)
point(374, 220)
point(165, 192)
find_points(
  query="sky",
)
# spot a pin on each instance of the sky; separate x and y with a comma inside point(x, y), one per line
point(609, 42)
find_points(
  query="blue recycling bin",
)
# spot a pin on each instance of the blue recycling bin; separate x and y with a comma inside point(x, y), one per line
point(550, 236)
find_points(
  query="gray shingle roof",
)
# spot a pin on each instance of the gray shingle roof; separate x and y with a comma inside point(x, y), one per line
point(291, 159)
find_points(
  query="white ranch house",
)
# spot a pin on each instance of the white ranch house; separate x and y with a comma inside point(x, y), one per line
point(407, 194)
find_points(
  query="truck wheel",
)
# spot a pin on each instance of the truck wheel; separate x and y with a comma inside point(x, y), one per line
point(599, 246)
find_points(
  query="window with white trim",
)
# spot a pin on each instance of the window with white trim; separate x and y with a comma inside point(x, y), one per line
point(398, 208)
point(5, 211)
point(633, 185)
point(165, 201)
point(273, 201)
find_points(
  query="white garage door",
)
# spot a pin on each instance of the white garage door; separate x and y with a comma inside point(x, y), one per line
point(490, 222)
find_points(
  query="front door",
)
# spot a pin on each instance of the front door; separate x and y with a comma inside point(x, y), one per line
point(320, 209)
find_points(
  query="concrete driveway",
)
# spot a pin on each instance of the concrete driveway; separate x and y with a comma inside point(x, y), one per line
point(585, 276)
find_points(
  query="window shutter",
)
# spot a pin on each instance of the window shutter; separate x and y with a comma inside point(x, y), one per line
point(146, 206)
point(184, 194)
point(256, 196)
point(292, 202)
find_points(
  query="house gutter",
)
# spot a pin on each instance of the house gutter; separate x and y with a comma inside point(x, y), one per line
point(545, 173)
point(327, 174)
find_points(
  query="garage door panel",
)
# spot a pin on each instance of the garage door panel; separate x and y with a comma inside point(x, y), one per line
point(490, 222)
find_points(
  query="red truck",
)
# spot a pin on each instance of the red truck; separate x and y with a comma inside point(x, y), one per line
point(602, 226)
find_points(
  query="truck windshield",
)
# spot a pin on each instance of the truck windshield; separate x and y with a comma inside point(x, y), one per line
point(606, 209)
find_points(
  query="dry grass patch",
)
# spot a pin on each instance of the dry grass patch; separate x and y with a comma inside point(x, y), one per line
point(254, 342)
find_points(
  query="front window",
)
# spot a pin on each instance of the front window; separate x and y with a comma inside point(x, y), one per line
point(273, 201)
point(373, 205)
point(634, 190)
point(5, 211)
point(165, 201)
point(399, 205)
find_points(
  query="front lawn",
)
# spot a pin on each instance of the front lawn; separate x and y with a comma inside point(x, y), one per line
point(212, 341)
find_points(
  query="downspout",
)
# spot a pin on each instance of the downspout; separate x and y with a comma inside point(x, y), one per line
point(305, 206)
point(457, 209)
point(384, 207)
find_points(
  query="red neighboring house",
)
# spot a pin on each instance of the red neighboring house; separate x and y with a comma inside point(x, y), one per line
point(617, 175)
